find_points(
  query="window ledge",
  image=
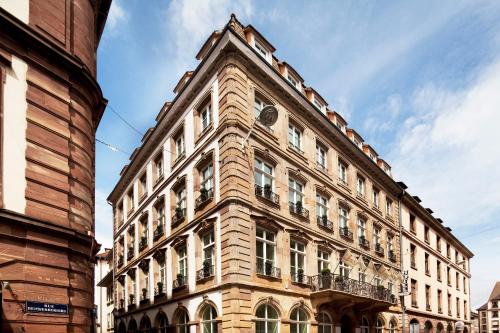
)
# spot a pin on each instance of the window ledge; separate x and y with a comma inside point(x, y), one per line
point(204, 133)
point(345, 186)
point(295, 152)
point(377, 210)
point(143, 197)
point(158, 181)
point(268, 277)
point(179, 159)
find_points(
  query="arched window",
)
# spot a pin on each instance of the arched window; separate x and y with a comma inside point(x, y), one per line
point(122, 328)
point(161, 322)
point(298, 321)
point(209, 320)
point(132, 326)
point(324, 323)
point(392, 326)
point(414, 326)
point(364, 325)
point(182, 322)
point(145, 326)
point(439, 328)
point(428, 327)
point(267, 319)
point(380, 326)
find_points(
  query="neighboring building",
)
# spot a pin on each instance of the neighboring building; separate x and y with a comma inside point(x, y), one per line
point(50, 107)
point(438, 268)
point(104, 291)
point(489, 313)
point(474, 317)
point(295, 229)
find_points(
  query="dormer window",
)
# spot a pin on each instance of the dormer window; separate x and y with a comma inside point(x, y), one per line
point(292, 81)
point(261, 49)
point(318, 104)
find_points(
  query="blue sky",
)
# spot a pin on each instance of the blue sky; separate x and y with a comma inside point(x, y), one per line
point(420, 81)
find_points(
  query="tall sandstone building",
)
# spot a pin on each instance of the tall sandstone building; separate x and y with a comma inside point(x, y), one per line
point(50, 107)
point(222, 222)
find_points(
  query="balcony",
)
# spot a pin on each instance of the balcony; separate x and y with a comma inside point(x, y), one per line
point(428, 307)
point(143, 243)
point(268, 270)
point(205, 197)
point(267, 194)
point(144, 297)
point(179, 215)
point(345, 233)
point(206, 272)
point(159, 290)
point(341, 287)
point(131, 302)
point(119, 262)
point(302, 279)
point(130, 252)
point(379, 249)
point(158, 232)
point(180, 281)
point(323, 222)
point(392, 255)
point(299, 210)
point(364, 242)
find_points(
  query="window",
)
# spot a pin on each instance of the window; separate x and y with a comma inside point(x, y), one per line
point(440, 301)
point(258, 105)
point(456, 256)
point(261, 50)
point(266, 247)
point(264, 174)
point(457, 280)
point(380, 326)
point(448, 251)
point(160, 215)
point(292, 81)
point(130, 201)
point(321, 207)
point(180, 197)
point(438, 243)
point(428, 297)
point(298, 321)
point(295, 137)
point(162, 323)
point(142, 186)
point(464, 281)
point(183, 322)
point(295, 191)
point(344, 269)
point(365, 326)
point(206, 115)
point(343, 217)
point(162, 270)
point(297, 258)
point(377, 281)
point(426, 234)
point(413, 284)
point(413, 226)
point(426, 261)
point(449, 304)
point(360, 186)
point(413, 255)
point(388, 207)
point(392, 327)
point(376, 236)
point(390, 245)
point(362, 277)
point(458, 307)
point(438, 270)
point(158, 167)
point(317, 103)
point(182, 261)
point(321, 156)
point(266, 320)
point(209, 320)
point(324, 323)
point(323, 261)
point(208, 245)
point(448, 276)
point(414, 326)
point(342, 172)
point(144, 233)
point(207, 177)
point(180, 148)
point(375, 198)
point(361, 228)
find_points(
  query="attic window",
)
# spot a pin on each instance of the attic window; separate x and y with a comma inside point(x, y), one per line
point(261, 49)
point(318, 104)
point(292, 80)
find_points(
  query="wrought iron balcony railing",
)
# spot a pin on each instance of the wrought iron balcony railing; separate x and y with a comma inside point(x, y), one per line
point(130, 253)
point(323, 222)
point(179, 215)
point(158, 232)
point(379, 249)
point(267, 193)
point(144, 297)
point(205, 273)
point(298, 209)
point(180, 281)
point(346, 233)
point(364, 242)
point(120, 261)
point(329, 281)
point(301, 278)
point(159, 290)
point(268, 269)
point(205, 196)
point(392, 255)
point(143, 243)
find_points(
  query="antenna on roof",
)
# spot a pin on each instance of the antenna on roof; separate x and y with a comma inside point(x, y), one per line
point(267, 117)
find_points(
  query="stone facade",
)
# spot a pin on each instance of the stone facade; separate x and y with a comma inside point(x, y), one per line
point(50, 108)
point(489, 312)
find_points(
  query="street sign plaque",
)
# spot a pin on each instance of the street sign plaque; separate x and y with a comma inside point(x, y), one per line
point(39, 307)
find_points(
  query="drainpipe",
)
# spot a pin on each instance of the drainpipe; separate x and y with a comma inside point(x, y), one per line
point(400, 218)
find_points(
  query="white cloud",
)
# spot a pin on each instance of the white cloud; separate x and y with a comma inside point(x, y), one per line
point(116, 16)
point(383, 118)
point(192, 21)
point(103, 220)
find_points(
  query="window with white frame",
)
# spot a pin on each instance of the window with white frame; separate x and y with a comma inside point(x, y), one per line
point(321, 207)
point(390, 246)
point(344, 269)
point(317, 103)
point(361, 228)
point(258, 105)
point(209, 320)
point(388, 206)
point(182, 261)
point(295, 191)
point(266, 248)
point(208, 244)
point(145, 282)
point(376, 236)
point(323, 260)
point(158, 163)
point(390, 287)
point(145, 229)
point(321, 156)
point(180, 148)
point(267, 320)
point(160, 215)
point(377, 281)
point(207, 177)
point(180, 196)
point(294, 137)
point(297, 258)
point(162, 270)
point(261, 50)
point(364, 325)
point(298, 321)
point(375, 197)
point(380, 326)
point(292, 81)
point(342, 172)
point(362, 277)
point(183, 322)
point(325, 324)
point(343, 217)
point(264, 174)
point(360, 186)
point(206, 116)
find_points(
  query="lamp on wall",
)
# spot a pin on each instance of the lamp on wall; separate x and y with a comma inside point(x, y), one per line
point(267, 117)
